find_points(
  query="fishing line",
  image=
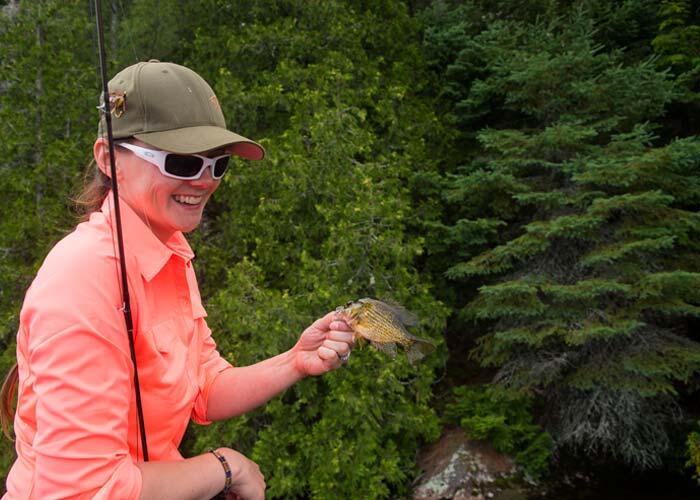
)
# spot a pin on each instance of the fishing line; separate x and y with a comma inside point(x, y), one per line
point(119, 5)
point(130, 37)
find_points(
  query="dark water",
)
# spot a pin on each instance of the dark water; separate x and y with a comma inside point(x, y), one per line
point(619, 485)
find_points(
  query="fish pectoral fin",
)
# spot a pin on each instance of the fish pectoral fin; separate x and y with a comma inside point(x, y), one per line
point(387, 348)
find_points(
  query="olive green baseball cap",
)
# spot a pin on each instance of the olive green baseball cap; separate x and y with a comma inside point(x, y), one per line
point(171, 108)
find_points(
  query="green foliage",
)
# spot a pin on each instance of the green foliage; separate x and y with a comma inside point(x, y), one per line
point(693, 443)
point(136, 34)
point(679, 35)
point(676, 44)
point(589, 265)
point(325, 218)
point(46, 92)
point(505, 419)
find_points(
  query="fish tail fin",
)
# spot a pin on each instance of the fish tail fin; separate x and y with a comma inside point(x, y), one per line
point(419, 349)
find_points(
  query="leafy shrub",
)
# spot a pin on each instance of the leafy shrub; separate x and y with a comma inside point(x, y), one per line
point(505, 419)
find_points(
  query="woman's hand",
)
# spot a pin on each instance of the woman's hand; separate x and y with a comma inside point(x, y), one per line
point(247, 482)
point(323, 346)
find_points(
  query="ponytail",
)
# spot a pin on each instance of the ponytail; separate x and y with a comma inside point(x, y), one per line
point(7, 396)
point(96, 186)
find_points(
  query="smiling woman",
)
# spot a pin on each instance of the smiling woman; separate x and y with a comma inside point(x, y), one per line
point(76, 424)
point(163, 197)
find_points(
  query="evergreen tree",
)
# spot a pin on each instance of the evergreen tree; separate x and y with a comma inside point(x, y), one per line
point(582, 232)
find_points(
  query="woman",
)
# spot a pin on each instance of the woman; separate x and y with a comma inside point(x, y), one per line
point(76, 423)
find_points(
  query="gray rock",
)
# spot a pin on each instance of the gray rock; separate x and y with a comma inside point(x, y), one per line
point(458, 468)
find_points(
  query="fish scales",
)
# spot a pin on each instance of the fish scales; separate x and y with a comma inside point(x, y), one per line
point(384, 327)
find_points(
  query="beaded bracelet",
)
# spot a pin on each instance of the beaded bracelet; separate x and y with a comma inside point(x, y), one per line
point(227, 470)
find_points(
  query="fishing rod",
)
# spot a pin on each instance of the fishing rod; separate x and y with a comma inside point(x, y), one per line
point(106, 110)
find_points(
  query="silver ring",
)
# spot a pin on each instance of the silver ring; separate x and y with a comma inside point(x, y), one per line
point(344, 358)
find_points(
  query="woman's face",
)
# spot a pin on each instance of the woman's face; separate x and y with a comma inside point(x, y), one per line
point(165, 204)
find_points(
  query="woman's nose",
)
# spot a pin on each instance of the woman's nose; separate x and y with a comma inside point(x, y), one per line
point(205, 179)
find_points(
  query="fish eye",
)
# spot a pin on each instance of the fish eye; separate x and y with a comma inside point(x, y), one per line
point(348, 303)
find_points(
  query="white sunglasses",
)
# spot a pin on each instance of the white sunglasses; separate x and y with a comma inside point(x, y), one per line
point(177, 166)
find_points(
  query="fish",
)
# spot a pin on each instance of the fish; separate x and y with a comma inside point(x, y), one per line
point(384, 326)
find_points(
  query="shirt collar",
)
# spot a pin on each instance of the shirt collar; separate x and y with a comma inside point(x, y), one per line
point(140, 242)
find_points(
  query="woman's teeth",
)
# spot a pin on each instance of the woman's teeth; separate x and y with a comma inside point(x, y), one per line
point(188, 200)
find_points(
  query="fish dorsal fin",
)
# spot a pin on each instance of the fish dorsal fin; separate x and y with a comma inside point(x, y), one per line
point(402, 314)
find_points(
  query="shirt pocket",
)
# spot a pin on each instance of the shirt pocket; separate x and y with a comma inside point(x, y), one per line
point(170, 379)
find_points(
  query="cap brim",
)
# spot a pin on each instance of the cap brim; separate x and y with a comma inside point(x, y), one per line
point(191, 140)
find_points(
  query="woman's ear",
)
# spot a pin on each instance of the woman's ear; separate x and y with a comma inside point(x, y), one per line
point(101, 152)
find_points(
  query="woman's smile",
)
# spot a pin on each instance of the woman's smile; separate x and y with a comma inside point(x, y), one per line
point(188, 199)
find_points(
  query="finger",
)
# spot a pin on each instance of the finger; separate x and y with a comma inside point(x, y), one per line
point(330, 358)
point(338, 324)
point(340, 348)
point(347, 337)
point(327, 354)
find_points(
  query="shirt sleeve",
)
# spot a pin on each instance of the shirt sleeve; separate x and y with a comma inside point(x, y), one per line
point(210, 365)
point(81, 374)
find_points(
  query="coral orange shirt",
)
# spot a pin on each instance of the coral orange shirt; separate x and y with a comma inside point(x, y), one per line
point(76, 427)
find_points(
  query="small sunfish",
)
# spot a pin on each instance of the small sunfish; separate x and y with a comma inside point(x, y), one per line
point(384, 326)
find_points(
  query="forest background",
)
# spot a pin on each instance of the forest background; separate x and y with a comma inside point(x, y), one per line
point(523, 175)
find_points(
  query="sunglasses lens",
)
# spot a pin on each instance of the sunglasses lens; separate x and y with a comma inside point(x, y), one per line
point(220, 167)
point(183, 166)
